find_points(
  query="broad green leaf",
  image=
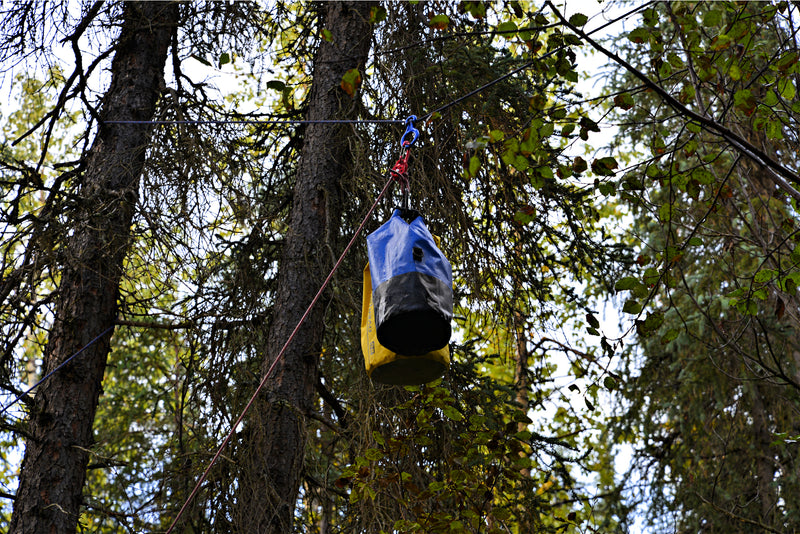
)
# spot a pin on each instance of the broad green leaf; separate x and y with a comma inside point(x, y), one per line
point(579, 165)
point(351, 81)
point(669, 336)
point(377, 14)
point(439, 22)
point(610, 383)
point(474, 166)
point(604, 166)
point(631, 306)
point(665, 212)
point(627, 282)
point(744, 101)
point(712, 18)
point(765, 275)
point(578, 19)
point(786, 88)
point(525, 215)
point(624, 101)
point(639, 35)
point(702, 175)
point(507, 27)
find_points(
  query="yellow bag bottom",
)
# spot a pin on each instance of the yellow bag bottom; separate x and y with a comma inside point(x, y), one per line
point(389, 367)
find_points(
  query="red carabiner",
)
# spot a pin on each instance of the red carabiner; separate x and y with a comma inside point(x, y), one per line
point(400, 173)
point(401, 166)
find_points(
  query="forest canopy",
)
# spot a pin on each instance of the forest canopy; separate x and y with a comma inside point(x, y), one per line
point(614, 185)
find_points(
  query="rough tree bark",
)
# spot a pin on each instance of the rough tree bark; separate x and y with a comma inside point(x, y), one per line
point(274, 443)
point(56, 455)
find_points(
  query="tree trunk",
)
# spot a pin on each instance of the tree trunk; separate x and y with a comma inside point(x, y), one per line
point(275, 440)
point(54, 466)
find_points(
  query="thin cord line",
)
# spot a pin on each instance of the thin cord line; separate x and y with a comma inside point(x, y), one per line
point(279, 356)
point(478, 90)
point(396, 121)
point(51, 373)
point(266, 121)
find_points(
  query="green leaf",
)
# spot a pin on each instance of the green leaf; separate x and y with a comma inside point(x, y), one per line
point(786, 89)
point(506, 27)
point(592, 320)
point(765, 275)
point(476, 9)
point(377, 14)
point(695, 242)
point(703, 176)
point(525, 215)
point(712, 17)
point(474, 166)
point(604, 166)
point(787, 60)
point(639, 291)
point(745, 102)
point(607, 188)
point(627, 282)
point(694, 127)
point(545, 172)
point(326, 35)
point(276, 84)
point(774, 129)
point(610, 383)
point(669, 336)
point(224, 59)
point(521, 163)
point(578, 19)
point(632, 307)
point(579, 165)
point(639, 35)
point(373, 454)
point(790, 285)
point(351, 81)
point(439, 22)
point(653, 321)
point(770, 99)
point(624, 101)
point(452, 413)
point(665, 212)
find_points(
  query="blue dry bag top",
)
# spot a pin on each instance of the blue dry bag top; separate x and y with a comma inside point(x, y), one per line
point(412, 286)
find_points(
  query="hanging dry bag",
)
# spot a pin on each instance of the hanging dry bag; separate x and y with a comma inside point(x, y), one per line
point(412, 286)
point(388, 367)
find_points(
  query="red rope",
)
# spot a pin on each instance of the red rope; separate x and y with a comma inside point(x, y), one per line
point(278, 358)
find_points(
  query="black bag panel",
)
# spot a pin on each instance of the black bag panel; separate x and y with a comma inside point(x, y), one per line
point(413, 313)
point(409, 371)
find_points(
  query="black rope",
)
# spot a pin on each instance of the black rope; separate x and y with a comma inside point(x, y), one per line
point(51, 373)
point(265, 121)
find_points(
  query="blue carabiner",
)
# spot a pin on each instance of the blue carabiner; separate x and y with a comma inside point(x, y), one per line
point(410, 130)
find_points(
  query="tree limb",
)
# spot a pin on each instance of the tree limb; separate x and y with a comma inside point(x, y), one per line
point(778, 172)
